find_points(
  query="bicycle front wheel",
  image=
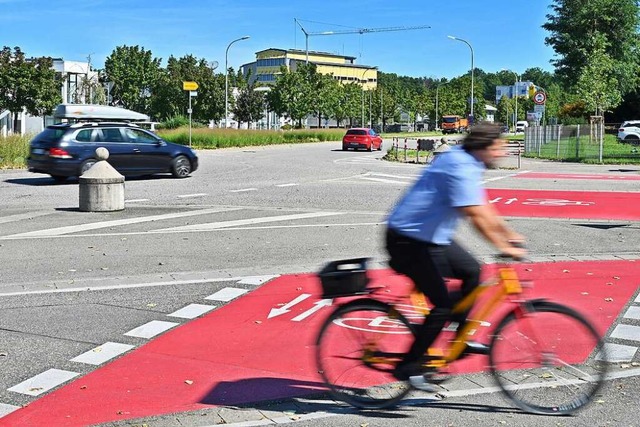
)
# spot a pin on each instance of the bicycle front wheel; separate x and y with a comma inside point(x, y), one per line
point(357, 349)
point(548, 360)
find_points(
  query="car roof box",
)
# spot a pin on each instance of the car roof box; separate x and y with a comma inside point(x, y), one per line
point(90, 112)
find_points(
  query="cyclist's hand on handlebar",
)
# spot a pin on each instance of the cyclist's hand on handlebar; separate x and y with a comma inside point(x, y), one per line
point(516, 251)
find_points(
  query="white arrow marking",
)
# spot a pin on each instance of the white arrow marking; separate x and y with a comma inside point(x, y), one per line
point(285, 308)
point(317, 306)
point(508, 202)
point(496, 200)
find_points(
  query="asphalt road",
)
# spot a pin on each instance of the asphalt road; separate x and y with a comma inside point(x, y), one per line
point(74, 280)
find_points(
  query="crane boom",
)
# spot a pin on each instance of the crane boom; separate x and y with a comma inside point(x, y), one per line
point(369, 30)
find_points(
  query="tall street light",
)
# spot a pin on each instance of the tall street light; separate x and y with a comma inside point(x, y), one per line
point(362, 96)
point(226, 81)
point(471, 48)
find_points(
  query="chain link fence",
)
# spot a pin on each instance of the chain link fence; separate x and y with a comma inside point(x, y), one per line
point(578, 143)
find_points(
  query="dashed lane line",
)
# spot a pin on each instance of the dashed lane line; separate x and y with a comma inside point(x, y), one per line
point(102, 353)
point(151, 329)
point(43, 382)
point(105, 224)
point(240, 222)
point(23, 216)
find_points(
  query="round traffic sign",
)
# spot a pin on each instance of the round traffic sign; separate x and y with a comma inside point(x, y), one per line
point(539, 97)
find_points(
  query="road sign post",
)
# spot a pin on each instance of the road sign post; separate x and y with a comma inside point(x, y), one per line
point(191, 87)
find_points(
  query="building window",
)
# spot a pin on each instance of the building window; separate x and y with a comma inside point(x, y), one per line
point(270, 62)
point(72, 88)
point(266, 77)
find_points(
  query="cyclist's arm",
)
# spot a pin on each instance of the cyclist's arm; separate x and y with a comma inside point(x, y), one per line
point(504, 228)
point(492, 227)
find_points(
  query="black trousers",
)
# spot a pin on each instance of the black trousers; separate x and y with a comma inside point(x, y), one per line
point(427, 265)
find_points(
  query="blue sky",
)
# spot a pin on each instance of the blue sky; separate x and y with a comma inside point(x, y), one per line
point(504, 34)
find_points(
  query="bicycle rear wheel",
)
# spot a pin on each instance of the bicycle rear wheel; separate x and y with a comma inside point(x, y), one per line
point(549, 360)
point(357, 349)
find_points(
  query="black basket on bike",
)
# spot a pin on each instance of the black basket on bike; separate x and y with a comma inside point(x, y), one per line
point(343, 278)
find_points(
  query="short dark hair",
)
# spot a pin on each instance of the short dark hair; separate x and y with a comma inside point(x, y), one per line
point(481, 136)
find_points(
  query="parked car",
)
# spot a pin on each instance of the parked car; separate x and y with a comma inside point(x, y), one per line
point(629, 132)
point(361, 138)
point(68, 150)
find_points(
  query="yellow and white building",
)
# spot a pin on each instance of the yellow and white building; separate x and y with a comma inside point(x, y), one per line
point(343, 68)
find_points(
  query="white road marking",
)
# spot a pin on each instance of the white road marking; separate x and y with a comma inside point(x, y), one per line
point(243, 190)
point(633, 313)
point(286, 185)
point(105, 224)
point(617, 353)
point(23, 216)
point(7, 409)
point(186, 196)
point(45, 381)
point(136, 200)
point(256, 280)
point(638, 298)
point(387, 181)
point(234, 223)
point(81, 288)
point(103, 353)
point(226, 294)
point(626, 332)
point(192, 311)
point(151, 329)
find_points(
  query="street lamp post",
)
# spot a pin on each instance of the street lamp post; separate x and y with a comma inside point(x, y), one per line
point(226, 81)
point(471, 48)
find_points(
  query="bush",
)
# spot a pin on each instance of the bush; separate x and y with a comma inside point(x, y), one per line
point(174, 122)
point(14, 149)
point(223, 138)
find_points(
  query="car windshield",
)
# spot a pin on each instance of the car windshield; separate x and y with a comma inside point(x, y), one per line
point(449, 119)
point(356, 132)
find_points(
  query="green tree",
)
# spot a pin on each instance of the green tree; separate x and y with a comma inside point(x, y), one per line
point(27, 84)
point(597, 84)
point(133, 71)
point(574, 26)
point(249, 106)
point(291, 96)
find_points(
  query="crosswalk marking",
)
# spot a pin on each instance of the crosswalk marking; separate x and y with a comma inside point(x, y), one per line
point(43, 382)
point(151, 329)
point(226, 294)
point(192, 311)
point(103, 353)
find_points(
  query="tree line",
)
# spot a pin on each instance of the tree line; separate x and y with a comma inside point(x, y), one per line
point(596, 72)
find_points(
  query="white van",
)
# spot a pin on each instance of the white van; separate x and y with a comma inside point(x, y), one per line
point(521, 125)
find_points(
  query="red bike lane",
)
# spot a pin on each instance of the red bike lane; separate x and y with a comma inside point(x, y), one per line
point(261, 347)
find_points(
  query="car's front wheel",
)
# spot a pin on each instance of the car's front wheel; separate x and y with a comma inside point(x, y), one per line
point(181, 167)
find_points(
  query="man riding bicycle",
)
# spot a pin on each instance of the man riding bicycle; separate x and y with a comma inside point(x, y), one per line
point(420, 236)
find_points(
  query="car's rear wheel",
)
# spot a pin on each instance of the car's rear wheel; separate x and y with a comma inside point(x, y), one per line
point(181, 167)
point(632, 139)
point(86, 165)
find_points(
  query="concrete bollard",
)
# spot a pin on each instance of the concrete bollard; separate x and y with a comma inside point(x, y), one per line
point(101, 187)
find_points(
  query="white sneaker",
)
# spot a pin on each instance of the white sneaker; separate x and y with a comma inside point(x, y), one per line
point(421, 383)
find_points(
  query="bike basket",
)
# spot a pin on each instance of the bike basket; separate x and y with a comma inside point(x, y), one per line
point(344, 278)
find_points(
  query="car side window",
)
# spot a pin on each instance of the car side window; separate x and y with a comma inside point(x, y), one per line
point(139, 136)
point(111, 135)
point(84, 135)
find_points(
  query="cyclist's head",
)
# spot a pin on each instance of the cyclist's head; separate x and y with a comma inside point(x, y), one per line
point(485, 142)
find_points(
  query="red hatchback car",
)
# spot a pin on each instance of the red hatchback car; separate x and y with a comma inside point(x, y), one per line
point(362, 138)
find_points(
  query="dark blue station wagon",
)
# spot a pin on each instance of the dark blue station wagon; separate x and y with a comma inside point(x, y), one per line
point(68, 150)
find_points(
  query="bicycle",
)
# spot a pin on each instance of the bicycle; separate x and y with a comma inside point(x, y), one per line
point(545, 357)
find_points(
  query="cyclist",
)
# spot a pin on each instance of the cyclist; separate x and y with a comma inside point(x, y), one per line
point(420, 233)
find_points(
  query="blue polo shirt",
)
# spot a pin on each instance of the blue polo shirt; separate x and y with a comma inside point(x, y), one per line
point(429, 210)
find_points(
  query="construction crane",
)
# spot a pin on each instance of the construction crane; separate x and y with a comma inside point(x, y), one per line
point(353, 31)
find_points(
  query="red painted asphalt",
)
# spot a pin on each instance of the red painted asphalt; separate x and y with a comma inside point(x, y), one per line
point(566, 204)
point(605, 177)
point(237, 354)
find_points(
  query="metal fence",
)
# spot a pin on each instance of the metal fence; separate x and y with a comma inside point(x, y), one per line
point(577, 143)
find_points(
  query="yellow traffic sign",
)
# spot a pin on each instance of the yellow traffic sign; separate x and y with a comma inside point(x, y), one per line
point(189, 86)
